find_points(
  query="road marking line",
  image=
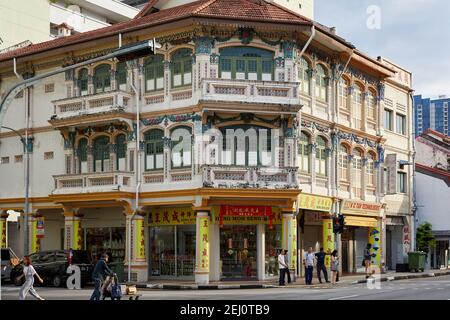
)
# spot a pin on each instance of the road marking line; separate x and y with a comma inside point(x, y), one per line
point(346, 297)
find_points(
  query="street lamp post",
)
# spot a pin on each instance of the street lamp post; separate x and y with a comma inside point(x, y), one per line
point(123, 53)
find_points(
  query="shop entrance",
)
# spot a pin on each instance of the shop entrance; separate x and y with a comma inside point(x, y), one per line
point(238, 252)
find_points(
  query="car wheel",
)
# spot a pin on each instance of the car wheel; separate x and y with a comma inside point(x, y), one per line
point(56, 281)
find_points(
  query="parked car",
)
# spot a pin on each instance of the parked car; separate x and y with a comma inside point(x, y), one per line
point(52, 266)
point(8, 260)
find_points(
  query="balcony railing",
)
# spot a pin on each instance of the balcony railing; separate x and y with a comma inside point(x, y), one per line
point(98, 181)
point(224, 176)
point(93, 104)
point(250, 91)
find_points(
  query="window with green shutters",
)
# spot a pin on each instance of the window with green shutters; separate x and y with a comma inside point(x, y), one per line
point(154, 149)
point(181, 147)
point(121, 76)
point(303, 152)
point(102, 78)
point(83, 81)
point(154, 73)
point(121, 151)
point(181, 68)
point(321, 84)
point(246, 63)
point(303, 76)
point(321, 157)
point(101, 154)
point(82, 155)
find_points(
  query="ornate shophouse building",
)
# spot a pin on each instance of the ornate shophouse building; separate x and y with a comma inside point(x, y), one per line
point(251, 119)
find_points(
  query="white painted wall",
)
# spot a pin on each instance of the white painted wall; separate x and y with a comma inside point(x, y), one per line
point(433, 201)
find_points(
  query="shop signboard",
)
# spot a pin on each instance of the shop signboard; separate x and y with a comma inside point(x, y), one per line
point(352, 207)
point(171, 216)
point(315, 203)
point(247, 214)
point(203, 244)
point(77, 236)
point(40, 231)
point(140, 239)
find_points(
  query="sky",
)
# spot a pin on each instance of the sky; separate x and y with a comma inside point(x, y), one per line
point(414, 34)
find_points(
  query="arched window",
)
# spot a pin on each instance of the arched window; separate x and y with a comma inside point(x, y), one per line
point(370, 169)
point(181, 68)
point(357, 102)
point(246, 63)
point(246, 145)
point(121, 76)
point(154, 149)
point(121, 151)
point(101, 154)
point(371, 106)
point(82, 155)
point(357, 173)
point(303, 76)
point(343, 163)
point(83, 81)
point(102, 78)
point(321, 157)
point(181, 147)
point(303, 152)
point(343, 94)
point(321, 83)
point(154, 72)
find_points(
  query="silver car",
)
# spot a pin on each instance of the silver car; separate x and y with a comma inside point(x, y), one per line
point(8, 260)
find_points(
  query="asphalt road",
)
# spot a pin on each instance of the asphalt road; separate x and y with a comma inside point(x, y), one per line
point(433, 288)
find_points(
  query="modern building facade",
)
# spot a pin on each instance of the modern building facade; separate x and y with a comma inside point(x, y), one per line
point(431, 114)
point(20, 26)
point(433, 190)
point(250, 130)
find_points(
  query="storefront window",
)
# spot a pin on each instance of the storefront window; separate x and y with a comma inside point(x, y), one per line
point(106, 240)
point(272, 244)
point(172, 251)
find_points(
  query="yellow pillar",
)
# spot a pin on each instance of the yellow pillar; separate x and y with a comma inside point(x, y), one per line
point(328, 238)
point(202, 248)
point(139, 237)
point(375, 241)
point(289, 237)
point(3, 224)
point(73, 235)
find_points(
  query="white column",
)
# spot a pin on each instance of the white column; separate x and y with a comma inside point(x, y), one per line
point(214, 238)
point(260, 250)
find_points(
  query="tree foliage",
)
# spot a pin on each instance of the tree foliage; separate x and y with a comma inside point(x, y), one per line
point(425, 238)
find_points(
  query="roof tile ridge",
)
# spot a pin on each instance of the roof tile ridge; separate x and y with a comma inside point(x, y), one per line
point(204, 6)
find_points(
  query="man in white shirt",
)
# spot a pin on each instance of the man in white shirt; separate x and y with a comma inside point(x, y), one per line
point(308, 262)
point(282, 266)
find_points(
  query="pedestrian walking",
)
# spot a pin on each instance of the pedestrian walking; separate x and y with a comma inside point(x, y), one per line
point(101, 271)
point(320, 258)
point(366, 261)
point(286, 259)
point(29, 272)
point(308, 262)
point(282, 266)
point(334, 266)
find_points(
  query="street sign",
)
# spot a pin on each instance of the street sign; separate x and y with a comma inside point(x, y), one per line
point(40, 231)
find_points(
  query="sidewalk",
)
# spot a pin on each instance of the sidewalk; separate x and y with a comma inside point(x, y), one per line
point(273, 283)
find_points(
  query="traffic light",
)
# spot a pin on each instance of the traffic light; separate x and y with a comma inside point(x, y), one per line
point(338, 224)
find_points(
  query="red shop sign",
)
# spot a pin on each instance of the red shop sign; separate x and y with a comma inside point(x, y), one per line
point(246, 211)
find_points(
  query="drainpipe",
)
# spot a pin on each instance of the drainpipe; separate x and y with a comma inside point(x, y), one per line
point(137, 175)
point(313, 33)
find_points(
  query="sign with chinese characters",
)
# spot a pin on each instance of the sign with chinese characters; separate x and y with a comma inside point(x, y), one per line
point(77, 243)
point(203, 246)
point(68, 237)
point(360, 208)
point(3, 233)
point(140, 239)
point(246, 211)
point(328, 240)
point(293, 244)
point(249, 220)
point(315, 203)
point(171, 216)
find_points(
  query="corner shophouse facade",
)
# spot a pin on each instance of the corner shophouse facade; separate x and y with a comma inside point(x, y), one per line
point(208, 209)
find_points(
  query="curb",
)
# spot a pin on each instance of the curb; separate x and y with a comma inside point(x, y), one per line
point(411, 276)
point(203, 287)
